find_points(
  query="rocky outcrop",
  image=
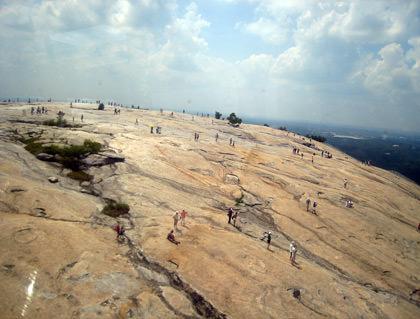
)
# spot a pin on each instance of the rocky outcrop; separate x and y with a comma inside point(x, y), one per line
point(108, 157)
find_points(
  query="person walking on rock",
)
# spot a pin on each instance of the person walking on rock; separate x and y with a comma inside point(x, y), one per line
point(308, 202)
point(314, 208)
point(234, 217)
point(345, 183)
point(268, 240)
point(183, 214)
point(230, 213)
point(293, 251)
point(176, 218)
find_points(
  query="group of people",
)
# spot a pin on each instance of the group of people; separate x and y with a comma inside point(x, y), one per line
point(349, 203)
point(232, 216)
point(119, 229)
point(178, 216)
point(314, 205)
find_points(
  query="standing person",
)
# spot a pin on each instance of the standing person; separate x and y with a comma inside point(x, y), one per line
point(345, 183)
point(151, 128)
point(308, 202)
point(269, 240)
point(183, 214)
point(82, 117)
point(217, 136)
point(234, 217)
point(291, 250)
point(230, 141)
point(230, 213)
point(176, 218)
point(314, 208)
point(294, 251)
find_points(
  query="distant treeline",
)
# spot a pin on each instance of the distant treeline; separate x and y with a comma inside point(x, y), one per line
point(318, 138)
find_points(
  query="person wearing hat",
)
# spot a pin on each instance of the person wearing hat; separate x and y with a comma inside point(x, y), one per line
point(268, 240)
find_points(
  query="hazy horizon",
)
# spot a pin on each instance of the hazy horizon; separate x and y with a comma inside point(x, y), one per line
point(353, 63)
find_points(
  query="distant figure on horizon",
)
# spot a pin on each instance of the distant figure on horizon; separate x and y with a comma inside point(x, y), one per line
point(308, 202)
point(82, 117)
point(171, 238)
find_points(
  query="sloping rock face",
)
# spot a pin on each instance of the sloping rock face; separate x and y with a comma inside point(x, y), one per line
point(60, 258)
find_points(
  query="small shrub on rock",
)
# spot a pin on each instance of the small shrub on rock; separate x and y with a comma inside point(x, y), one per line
point(115, 209)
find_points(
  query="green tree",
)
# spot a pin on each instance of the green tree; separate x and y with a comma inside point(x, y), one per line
point(233, 119)
point(217, 115)
point(101, 107)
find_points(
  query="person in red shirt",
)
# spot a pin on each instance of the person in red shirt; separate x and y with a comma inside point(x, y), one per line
point(183, 214)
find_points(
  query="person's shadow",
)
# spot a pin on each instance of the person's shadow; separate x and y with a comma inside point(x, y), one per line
point(295, 264)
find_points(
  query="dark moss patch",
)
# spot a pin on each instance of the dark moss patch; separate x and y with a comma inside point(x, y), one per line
point(115, 209)
point(239, 200)
point(80, 176)
point(59, 123)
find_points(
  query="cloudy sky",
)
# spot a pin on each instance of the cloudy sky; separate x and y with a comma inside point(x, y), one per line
point(348, 62)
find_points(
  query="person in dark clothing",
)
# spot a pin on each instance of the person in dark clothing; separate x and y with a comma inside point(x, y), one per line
point(171, 238)
point(230, 213)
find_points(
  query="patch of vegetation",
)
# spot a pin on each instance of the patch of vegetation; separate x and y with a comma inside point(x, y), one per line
point(30, 140)
point(68, 156)
point(80, 176)
point(101, 107)
point(318, 138)
point(115, 209)
point(239, 200)
point(234, 120)
point(282, 128)
point(217, 115)
point(58, 122)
